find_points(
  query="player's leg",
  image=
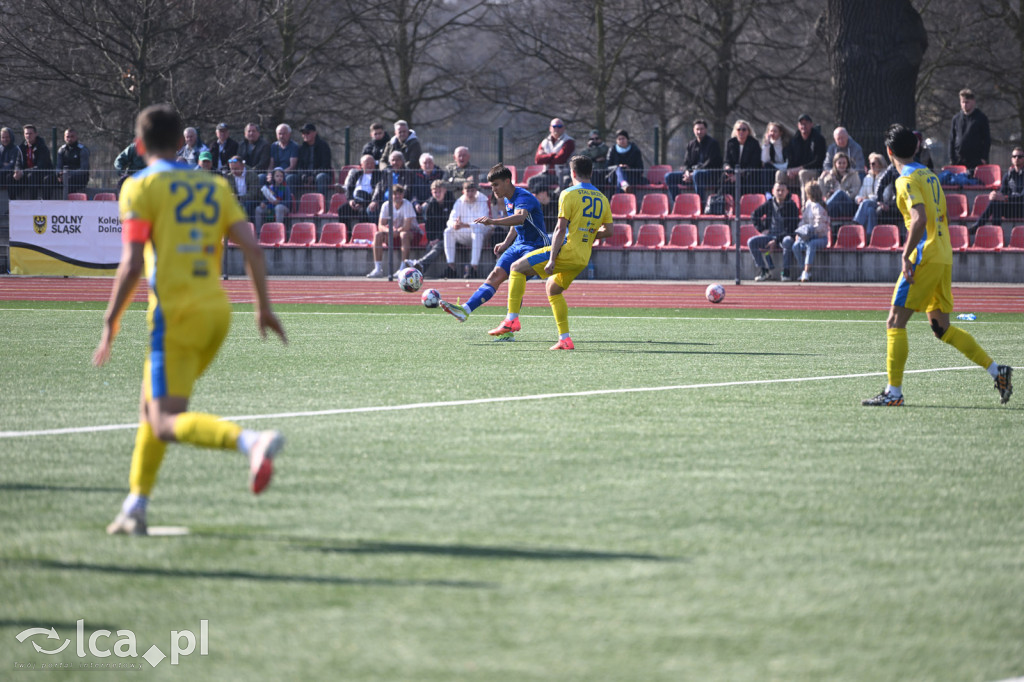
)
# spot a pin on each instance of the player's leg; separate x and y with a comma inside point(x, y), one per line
point(559, 308)
point(896, 351)
point(522, 269)
point(147, 456)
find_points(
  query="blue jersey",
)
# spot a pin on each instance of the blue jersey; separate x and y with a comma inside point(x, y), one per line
point(532, 232)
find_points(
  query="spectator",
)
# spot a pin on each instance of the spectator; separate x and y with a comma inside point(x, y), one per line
point(463, 228)
point(422, 180)
point(436, 210)
point(867, 197)
point(597, 151)
point(39, 178)
point(625, 163)
point(923, 155)
point(840, 184)
point(404, 141)
point(128, 162)
point(743, 154)
point(774, 152)
point(378, 141)
point(548, 201)
point(360, 187)
point(806, 154)
point(245, 182)
point(395, 174)
point(255, 151)
point(459, 170)
point(776, 220)
point(193, 147)
point(314, 162)
point(284, 154)
point(842, 142)
point(813, 230)
point(223, 149)
point(405, 227)
point(72, 163)
point(206, 161)
point(277, 198)
point(969, 136)
point(1008, 200)
point(554, 152)
point(11, 163)
point(702, 164)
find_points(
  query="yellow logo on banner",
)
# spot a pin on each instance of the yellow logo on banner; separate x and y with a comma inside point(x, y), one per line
point(39, 224)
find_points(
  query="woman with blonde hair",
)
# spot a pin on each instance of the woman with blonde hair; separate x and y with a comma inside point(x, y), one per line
point(867, 197)
point(742, 153)
point(774, 152)
point(813, 230)
point(839, 185)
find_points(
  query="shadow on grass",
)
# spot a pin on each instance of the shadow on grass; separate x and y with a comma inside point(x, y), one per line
point(636, 347)
point(189, 574)
point(483, 552)
point(36, 487)
point(42, 622)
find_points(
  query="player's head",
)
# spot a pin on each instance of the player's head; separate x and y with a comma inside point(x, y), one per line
point(900, 142)
point(500, 179)
point(160, 128)
point(581, 167)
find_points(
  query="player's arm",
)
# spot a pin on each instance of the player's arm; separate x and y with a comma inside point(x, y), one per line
point(604, 231)
point(257, 269)
point(517, 218)
point(918, 222)
point(557, 238)
point(128, 272)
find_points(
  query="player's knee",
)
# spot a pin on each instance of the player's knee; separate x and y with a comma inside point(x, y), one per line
point(938, 329)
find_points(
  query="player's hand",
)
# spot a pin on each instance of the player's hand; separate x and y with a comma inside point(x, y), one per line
point(102, 352)
point(550, 267)
point(499, 249)
point(483, 220)
point(908, 270)
point(266, 319)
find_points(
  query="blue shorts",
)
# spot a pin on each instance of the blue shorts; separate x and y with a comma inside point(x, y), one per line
point(514, 253)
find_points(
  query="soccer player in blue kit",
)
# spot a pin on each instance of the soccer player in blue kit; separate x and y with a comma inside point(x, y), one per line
point(526, 217)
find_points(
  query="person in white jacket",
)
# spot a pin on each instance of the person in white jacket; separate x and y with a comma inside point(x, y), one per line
point(812, 232)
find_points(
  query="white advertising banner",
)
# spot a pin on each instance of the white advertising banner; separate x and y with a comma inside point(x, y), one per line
point(65, 237)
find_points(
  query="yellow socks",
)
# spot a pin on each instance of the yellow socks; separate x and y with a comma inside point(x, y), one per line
point(206, 430)
point(516, 290)
point(561, 311)
point(146, 459)
point(966, 344)
point(897, 350)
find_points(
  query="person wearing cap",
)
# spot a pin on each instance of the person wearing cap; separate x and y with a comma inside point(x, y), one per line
point(463, 228)
point(223, 149)
point(806, 154)
point(842, 142)
point(314, 164)
point(189, 153)
point(245, 184)
point(206, 161)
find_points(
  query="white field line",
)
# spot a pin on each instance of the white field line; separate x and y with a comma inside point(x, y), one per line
point(479, 401)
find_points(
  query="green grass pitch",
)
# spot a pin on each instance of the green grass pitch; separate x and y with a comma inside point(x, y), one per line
point(738, 525)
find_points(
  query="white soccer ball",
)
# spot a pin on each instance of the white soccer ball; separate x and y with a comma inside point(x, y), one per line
point(715, 293)
point(410, 279)
point(431, 298)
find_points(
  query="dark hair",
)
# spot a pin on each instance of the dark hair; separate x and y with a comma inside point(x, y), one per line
point(700, 121)
point(160, 128)
point(499, 172)
point(582, 166)
point(901, 141)
point(376, 126)
point(399, 189)
point(622, 131)
point(28, 126)
point(967, 93)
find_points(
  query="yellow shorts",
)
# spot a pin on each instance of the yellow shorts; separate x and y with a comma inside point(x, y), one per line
point(180, 352)
point(932, 289)
point(565, 272)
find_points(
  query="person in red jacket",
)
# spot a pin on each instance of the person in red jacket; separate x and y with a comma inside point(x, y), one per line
point(555, 150)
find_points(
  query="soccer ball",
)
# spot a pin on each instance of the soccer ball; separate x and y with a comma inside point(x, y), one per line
point(410, 279)
point(431, 298)
point(715, 293)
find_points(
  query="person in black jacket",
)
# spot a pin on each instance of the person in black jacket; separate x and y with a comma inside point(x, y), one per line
point(73, 163)
point(702, 165)
point(776, 220)
point(359, 188)
point(378, 140)
point(625, 163)
point(806, 153)
point(39, 180)
point(314, 166)
point(969, 135)
point(255, 151)
point(743, 155)
point(223, 149)
point(1008, 200)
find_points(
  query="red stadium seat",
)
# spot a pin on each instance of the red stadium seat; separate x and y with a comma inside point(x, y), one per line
point(311, 205)
point(77, 196)
point(303, 234)
point(338, 199)
point(623, 206)
point(530, 171)
point(884, 238)
point(650, 236)
point(980, 204)
point(956, 206)
point(988, 238)
point(105, 196)
point(683, 236)
point(622, 237)
point(362, 235)
point(716, 236)
point(334, 234)
point(686, 205)
point(849, 238)
point(746, 232)
point(656, 176)
point(272, 234)
point(653, 206)
point(958, 237)
point(1016, 239)
point(749, 203)
point(989, 176)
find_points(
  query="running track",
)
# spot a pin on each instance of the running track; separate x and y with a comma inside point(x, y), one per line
point(584, 293)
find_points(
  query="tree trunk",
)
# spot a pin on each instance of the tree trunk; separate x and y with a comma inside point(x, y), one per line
point(873, 57)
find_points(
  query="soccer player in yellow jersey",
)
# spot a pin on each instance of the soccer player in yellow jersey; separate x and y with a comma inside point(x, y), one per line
point(583, 214)
point(174, 220)
point(925, 281)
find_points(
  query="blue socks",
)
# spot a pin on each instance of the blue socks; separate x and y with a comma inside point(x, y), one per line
point(479, 297)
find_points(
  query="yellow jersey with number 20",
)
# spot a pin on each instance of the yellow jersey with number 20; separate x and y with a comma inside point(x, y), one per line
point(587, 209)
